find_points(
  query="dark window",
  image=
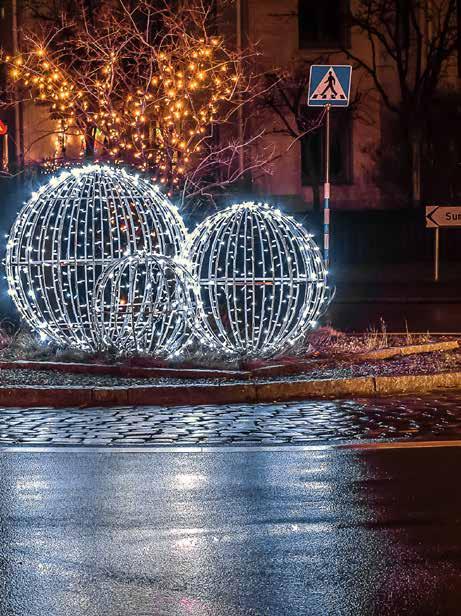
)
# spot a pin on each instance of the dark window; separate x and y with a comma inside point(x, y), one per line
point(322, 24)
point(313, 152)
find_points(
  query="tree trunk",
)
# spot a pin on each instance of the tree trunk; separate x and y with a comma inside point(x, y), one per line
point(316, 195)
point(416, 147)
point(413, 128)
point(90, 135)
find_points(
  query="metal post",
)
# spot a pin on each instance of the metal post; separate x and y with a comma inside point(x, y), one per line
point(5, 162)
point(326, 193)
point(436, 254)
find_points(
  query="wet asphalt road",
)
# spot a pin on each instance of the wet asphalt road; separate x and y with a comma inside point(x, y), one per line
point(323, 531)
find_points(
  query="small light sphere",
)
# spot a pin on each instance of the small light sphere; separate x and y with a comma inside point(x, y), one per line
point(66, 235)
point(261, 278)
point(145, 305)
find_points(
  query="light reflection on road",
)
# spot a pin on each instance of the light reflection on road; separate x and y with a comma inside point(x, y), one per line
point(230, 533)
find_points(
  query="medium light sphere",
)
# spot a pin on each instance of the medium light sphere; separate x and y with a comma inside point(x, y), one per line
point(69, 232)
point(261, 277)
point(145, 304)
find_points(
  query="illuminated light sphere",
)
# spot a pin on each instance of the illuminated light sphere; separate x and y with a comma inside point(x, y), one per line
point(261, 279)
point(69, 232)
point(145, 304)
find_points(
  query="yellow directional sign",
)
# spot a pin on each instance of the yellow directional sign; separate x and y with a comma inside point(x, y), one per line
point(443, 216)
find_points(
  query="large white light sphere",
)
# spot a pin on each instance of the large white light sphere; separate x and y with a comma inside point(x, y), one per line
point(261, 279)
point(67, 234)
point(145, 304)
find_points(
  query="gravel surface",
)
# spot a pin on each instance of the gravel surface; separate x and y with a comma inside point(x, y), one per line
point(427, 363)
point(423, 363)
point(23, 376)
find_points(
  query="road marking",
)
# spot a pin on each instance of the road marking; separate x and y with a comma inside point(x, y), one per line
point(159, 449)
point(400, 445)
point(357, 446)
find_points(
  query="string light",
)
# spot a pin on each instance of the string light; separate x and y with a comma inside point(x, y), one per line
point(152, 122)
point(145, 304)
point(71, 229)
point(99, 259)
point(261, 280)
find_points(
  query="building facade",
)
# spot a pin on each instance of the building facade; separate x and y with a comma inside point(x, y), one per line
point(289, 36)
point(296, 33)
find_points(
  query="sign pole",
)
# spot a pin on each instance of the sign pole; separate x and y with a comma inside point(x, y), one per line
point(326, 192)
point(436, 254)
point(329, 86)
point(437, 216)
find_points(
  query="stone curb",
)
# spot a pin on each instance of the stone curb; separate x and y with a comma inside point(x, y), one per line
point(420, 382)
point(123, 371)
point(430, 347)
point(226, 393)
point(327, 388)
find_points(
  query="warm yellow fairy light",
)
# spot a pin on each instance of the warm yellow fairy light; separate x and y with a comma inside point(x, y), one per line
point(176, 105)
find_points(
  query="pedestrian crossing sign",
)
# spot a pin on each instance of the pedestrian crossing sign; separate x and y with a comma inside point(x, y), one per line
point(329, 85)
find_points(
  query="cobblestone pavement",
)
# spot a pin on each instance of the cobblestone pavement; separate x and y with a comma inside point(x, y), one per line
point(416, 417)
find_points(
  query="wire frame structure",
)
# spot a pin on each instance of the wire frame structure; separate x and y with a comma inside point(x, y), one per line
point(145, 304)
point(261, 277)
point(69, 232)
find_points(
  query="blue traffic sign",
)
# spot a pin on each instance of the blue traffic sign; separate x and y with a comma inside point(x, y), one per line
point(329, 85)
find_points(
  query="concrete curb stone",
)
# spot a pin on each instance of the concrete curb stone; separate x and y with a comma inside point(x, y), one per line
point(226, 393)
point(29, 396)
point(420, 382)
point(430, 347)
point(179, 395)
point(103, 396)
point(359, 386)
point(120, 370)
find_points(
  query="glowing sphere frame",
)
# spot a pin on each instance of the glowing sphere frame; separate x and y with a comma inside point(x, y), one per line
point(145, 304)
point(261, 277)
point(68, 233)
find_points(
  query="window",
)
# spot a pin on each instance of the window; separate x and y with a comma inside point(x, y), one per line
point(322, 25)
point(313, 152)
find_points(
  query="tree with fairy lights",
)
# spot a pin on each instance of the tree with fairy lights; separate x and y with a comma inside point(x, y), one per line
point(145, 83)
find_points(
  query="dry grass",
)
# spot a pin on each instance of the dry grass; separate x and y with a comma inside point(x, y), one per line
point(328, 342)
point(22, 344)
point(323, 343)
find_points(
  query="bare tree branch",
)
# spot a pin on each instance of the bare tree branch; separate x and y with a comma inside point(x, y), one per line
point(144, 83)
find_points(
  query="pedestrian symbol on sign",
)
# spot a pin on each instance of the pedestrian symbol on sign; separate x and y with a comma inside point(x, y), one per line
point(331, 82)
point(329, 85)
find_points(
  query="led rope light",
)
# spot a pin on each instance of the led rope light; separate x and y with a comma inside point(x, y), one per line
point(69, 232)
point(261, 277)
point(145, 304)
